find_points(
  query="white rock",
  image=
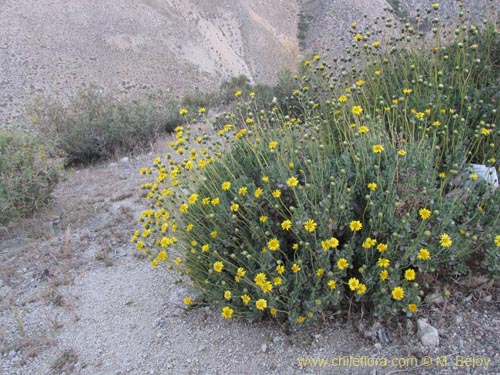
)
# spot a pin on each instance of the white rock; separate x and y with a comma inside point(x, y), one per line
point(124, 159)
point(428, 335)
point(263, 348)
point(488, 174)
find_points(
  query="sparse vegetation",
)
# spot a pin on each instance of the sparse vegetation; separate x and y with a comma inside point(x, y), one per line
point(65, 361)
point(28, 174)
point(95, 126)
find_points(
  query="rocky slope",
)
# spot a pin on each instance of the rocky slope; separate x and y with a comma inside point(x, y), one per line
point(53, 47)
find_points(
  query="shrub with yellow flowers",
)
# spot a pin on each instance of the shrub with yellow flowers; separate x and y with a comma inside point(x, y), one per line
point(347, 202)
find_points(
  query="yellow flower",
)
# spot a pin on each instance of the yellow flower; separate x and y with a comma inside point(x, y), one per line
point(183, 112)
point(215, 201)
point(301, 319)
point(376, 44)
point(272, 145)
point(497, 240)
point(412, 308)
point(381, 247)
point(213, 234)
point(353, 283)
point(235, 207)
point(377, 149)
point(205, 201)
point(361, 289)
point(205, 248)
point(273, 244)
point(401, 152)
point(310, 225)
point(355, 225)
point(320, 272)
point(263, 218)
point(474, 176)
point(435, 5)
point(325, 245)
point(360, 83)
point(424, 254)
point(266, 287)
point(273, 312)
point(241, 272)
point(407, 91)
point(333, 242)
point(189, 227)
point(237, 93)
point(193, 198)
point(332, 284)
point(162, 255)
point(372, 186)
point(265, 179)
point(378, 72)
point(227, 294)
point(218, 266)
point(243, 191)
point(383, 275)
point(240, 133)
point(424, 213)
point(295, 246)
point(410, 274)
point(292, 181)
point(258, 192)
point(357, 110)
point(445, 240)
point(342, 263)
point(260, 279)
point(286, 225)
point(187, 300)
point(280, 269)
point(295, 268)
point(342, 99)
point(226, 185)
point(245, 298)
point(227, 312)
point(276, 193)
point(369, 242)
point(436, 123)
point(202, 110)
point(261, 304)
point(383, 262)
point(363, 129)
point(165, 241)
point(398, 293)
point(277, 281)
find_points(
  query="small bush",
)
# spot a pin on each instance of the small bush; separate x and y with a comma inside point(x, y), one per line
point(364, 197)
point(95, 126)
point(27, 175)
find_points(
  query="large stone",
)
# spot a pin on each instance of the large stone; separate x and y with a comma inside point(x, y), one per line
point(428, 335)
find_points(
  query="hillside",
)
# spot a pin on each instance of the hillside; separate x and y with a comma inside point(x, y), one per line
point(138, 47)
